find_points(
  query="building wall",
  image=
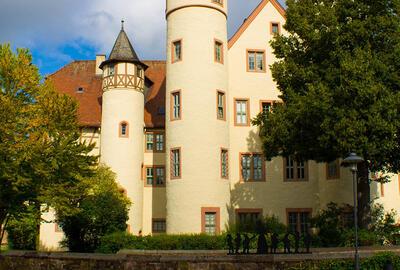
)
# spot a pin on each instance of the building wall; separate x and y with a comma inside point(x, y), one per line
point(199, 134)
point(91, 135)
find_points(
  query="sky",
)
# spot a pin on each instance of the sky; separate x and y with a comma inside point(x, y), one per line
point(60, 31)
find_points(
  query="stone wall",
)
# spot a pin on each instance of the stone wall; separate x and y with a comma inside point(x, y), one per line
point(171, 260)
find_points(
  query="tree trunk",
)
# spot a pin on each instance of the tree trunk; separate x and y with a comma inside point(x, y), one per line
point(364, 197)
point(3, 225)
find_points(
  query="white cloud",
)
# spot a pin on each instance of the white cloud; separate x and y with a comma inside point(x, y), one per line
point(49, 25)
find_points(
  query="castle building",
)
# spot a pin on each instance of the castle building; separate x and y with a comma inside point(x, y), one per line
point(178, 132)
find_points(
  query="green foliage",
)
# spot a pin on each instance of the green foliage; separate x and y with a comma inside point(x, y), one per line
point(100, 209)
point(121, 240)
point(337, 231)
point(376, 262)
point(23, 230)
point(338, 72)
point(42, 161)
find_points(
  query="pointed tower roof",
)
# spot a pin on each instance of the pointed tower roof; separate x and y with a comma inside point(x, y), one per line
point(123, 50)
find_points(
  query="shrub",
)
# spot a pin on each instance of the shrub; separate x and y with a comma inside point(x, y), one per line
point(114, 242)
point(23, 231)
point(376, 262)
point(335, 230)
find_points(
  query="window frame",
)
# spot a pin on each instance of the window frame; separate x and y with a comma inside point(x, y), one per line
point(271, 25)
point(217, 43)
point(256, 70)
point(227, 163)
point(217, 212)
point(295, 167)
point(219, 92)
point(247, 100)
point(154, 141)
point(239, 211)
point(126, 135)
point(172, 105)
point(298, 211)
point(173, 51)
point(337, 172)
point(252, 154)
point(158, 220)
point(154, 182)
point(172, 177)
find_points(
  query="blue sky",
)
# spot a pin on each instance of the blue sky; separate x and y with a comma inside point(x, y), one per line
point(60, 31)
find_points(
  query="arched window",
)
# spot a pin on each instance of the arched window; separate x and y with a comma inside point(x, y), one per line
point(124, 129)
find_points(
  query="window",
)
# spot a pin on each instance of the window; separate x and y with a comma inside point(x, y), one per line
point(298, 220)
point(219, 2)
point(295, 170)
point(80, 90)
point(155, 142)
point(266, 106)
point(149, 141)
point(111, 70)
point(251, 167)
point(176, 105)
point(155, 176)
point(255, 61)
point(247, 217)
point(159, 142)
point(219, 52)
point(275, 28)
point(159, 225)
point(57, 228)
point(176, 51)
point(210, 218)
point(124, 129)
point(242, 113)
point(224, 163)
point(220, 105)
point(175, 163)
point(333, 170)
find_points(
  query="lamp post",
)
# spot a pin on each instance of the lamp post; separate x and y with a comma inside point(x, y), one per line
point(351, 161)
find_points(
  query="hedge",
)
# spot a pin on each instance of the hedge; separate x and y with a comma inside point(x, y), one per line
point(112, 243)
point(377, 262)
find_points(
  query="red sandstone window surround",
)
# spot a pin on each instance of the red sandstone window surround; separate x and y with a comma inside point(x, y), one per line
point(252, 167)
point(124, 129)
point(224, 163)
point(221, 105)
point(176, 105)
point(218, 51)
point(176, 51)
point(210, 220)
point(256, 60)
point(241, 112)
point(176, 163)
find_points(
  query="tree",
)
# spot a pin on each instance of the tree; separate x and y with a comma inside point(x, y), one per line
point(42, 161)
point(102, 209)
point(338, 71)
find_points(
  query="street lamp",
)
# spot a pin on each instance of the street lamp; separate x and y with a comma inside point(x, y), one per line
point(351, 161)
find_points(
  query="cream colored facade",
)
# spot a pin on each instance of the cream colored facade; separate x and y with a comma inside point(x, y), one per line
point(200, 196)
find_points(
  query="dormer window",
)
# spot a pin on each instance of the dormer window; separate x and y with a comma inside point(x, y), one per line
point(80, 90)
point(219, 2)
point(111, 70)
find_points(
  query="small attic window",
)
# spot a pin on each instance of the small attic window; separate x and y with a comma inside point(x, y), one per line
point(80, 90)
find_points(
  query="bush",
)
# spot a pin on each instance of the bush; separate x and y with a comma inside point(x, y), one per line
point(337, 231)
point(114, 242)
point(376, 262)
point(23, 231)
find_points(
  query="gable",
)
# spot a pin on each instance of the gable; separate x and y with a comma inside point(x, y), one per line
point(248, 21)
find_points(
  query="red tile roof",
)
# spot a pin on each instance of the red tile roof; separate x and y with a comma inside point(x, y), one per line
point(77, 74)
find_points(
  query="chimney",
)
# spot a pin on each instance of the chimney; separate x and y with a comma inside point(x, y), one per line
point(100, 58)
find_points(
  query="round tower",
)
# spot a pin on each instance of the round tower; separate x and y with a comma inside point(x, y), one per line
point(197, 132)
point(122, 122)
